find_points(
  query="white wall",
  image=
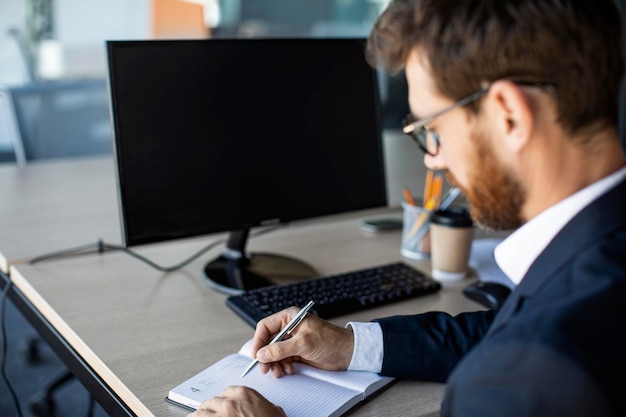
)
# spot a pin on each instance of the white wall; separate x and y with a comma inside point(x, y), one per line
point(404, 166)
point(83, 26)
point(12, 69)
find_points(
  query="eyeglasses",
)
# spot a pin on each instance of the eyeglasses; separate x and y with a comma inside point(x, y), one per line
point(427, 139)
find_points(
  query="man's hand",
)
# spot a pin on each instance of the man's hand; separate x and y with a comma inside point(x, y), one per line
point(238, 402)
point(315, 342)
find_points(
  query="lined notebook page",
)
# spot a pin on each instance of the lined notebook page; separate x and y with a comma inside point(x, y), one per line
point(292, 392)
point(356, 380)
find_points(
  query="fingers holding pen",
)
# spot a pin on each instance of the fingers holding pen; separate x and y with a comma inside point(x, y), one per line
point(268, 327)
point(315, 341)
point(278, 359)
point(280, 368)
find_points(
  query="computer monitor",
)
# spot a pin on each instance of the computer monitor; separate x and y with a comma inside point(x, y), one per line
point(224, 135)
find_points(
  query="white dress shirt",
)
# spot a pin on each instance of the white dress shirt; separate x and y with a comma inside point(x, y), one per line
point(514, 256)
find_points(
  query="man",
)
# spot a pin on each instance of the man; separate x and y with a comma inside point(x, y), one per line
point(518, 101)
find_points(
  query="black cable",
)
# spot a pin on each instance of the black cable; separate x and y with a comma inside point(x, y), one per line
point(65, 252)
point(3, 353)
point(101, 247)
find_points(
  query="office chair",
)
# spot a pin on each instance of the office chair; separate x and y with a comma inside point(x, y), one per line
point(58, 119)
point(8, 127)
point(42, 403)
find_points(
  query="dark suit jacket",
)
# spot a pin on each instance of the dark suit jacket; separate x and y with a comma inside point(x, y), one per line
point(556, 348)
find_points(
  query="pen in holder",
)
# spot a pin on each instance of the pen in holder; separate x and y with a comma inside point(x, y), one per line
point(416, 224)
point(415, 231)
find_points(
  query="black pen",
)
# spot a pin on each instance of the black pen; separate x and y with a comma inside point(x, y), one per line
point(284, 332)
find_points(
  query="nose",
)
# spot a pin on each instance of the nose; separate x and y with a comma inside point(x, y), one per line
point(434, 162)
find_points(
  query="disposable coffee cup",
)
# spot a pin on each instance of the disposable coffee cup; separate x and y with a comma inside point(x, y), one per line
point(451, 234)
point(415, 232)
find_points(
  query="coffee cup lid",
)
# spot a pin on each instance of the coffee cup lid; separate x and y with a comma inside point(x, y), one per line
point(453, 216)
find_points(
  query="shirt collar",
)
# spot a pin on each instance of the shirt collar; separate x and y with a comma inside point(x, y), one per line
point(517, 253)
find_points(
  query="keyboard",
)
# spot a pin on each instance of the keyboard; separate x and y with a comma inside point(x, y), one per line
point(336, 295)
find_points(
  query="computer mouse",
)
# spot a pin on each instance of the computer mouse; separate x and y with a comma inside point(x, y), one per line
point(489, 294)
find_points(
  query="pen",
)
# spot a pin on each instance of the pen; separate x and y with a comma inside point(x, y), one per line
point(437, 188)
point(447, 199)
point(408, 196)
point(429, 207)
point(284, 332)
point(428, 186)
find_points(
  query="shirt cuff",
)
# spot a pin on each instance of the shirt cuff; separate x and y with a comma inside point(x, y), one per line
point(368, 347)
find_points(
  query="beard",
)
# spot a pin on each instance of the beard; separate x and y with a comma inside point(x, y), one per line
point(495, 196)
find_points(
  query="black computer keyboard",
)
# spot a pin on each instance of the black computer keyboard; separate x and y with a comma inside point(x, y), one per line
point(338, 294)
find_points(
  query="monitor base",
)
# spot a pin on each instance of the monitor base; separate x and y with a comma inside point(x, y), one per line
point(234, 276)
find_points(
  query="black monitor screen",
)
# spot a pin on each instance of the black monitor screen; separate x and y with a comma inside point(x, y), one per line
point(227, 134)
point(218, 135)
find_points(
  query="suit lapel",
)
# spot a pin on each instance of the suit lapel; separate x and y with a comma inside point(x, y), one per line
point(601, 217)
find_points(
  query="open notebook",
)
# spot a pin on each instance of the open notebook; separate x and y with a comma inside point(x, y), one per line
point(308, 392)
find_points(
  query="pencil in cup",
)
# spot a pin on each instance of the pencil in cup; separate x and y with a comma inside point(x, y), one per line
point(416, 240)
point(415, 236)
point(416, 245)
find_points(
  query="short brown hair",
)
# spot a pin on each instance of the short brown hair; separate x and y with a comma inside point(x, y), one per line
point(575, 45)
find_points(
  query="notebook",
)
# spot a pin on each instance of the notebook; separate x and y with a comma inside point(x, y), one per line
point(309, 392)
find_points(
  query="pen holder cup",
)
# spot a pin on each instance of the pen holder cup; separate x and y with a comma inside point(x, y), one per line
point(415, 232)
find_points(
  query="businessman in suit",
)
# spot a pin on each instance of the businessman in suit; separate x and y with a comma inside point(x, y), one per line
point(518, 101)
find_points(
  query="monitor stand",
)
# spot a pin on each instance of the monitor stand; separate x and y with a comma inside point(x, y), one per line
point(236, 271)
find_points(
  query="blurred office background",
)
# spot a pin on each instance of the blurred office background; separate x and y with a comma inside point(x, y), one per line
point(53, 60)
point(53, 99)
point(54, 103)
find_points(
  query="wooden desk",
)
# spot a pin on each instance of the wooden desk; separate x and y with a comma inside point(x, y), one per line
point(131, 333)
point(144, 332)
point(54, 205)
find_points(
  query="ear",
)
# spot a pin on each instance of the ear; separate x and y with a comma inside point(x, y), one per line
point(510, 113)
